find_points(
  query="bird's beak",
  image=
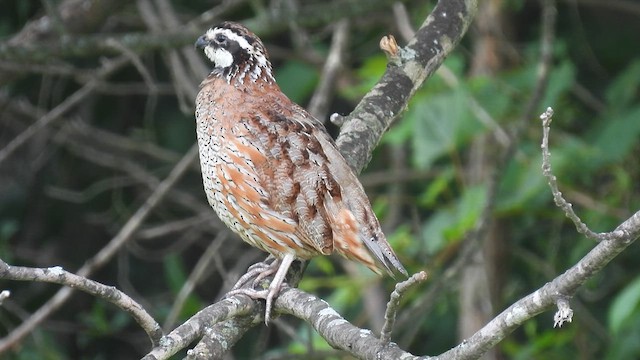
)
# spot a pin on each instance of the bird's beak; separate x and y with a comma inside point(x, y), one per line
point(201, 42)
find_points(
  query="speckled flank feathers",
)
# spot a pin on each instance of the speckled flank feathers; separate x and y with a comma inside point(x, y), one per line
point(270, 170)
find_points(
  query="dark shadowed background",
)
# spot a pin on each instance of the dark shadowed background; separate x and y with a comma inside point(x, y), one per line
point(96, 109)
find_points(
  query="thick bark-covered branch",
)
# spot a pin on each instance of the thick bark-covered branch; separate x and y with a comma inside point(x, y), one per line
point(337, 331)
point(437, 37)
point(559, 289)
point(210, 321)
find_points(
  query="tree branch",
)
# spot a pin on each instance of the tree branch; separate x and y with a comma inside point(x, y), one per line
point(563, 204)
point(104, 255)
point(436, 38)
point(319, 103)
point(553, 293)
point(560, 288)
point(95, 45)
point(337, 331)
point(394, 304)
point(57, 275)
point(210, 319)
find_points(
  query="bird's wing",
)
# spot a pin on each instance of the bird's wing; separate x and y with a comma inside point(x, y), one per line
point(307, 180)
point(352, 212)
point(292, 172)
point(334, 196)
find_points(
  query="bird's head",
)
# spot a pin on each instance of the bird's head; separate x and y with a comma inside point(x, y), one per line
point(237, 54)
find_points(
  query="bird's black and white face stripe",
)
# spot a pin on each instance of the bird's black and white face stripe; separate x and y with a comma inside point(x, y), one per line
point(236, 53)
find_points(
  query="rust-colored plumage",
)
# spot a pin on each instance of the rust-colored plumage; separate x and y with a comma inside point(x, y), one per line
point(270, 170)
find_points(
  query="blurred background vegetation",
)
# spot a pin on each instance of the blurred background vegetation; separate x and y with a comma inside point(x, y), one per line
point(125, 74)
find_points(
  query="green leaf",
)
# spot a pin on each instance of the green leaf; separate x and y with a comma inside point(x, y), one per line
point(369, 73)
point(617, 137)
point(439, 185)
point(561, 79)
point(297, 80)
point(175, 273)
point(523, 182)
point(624, 90)
point(441, 123)
point(624, 305)
point(450, 224)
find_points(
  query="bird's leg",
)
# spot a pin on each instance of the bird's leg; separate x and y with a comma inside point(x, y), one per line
point(274, 288)
point(259, 270)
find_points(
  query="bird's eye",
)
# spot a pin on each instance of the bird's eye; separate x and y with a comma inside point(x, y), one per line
point(220, 39)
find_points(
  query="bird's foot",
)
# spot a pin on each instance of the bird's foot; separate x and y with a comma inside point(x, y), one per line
point(266, 294)
point(258, 271)
point(265, 273)
point(261, 272)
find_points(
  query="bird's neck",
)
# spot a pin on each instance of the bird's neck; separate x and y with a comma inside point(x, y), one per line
point(220, 85)
point(245, 74)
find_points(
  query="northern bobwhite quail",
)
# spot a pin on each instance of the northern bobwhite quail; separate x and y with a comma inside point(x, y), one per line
point(271, 171)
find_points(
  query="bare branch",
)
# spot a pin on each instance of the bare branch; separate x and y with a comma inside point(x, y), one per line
point(197, 274)
point(394, 303)
point(57, 275)
point(92, 45)
point(557, 292)
point(221, 337)
point(559, 289)
point(104, 255)
point(553, 184)
point(337, 331)
point(436, 38)
point(206, 321)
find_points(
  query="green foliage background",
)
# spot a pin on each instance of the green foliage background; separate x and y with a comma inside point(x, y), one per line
point(58, 206)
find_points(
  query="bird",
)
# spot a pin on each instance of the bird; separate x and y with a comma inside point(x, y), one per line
point(272, 172)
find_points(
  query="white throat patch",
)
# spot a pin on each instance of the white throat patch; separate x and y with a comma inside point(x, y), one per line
point(220, 57)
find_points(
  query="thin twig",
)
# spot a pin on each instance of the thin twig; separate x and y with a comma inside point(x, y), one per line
point(563, 204)
point(403, 21)
point(337, 331)
point(394, 303)
point(560, 289)
point(554, 292)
